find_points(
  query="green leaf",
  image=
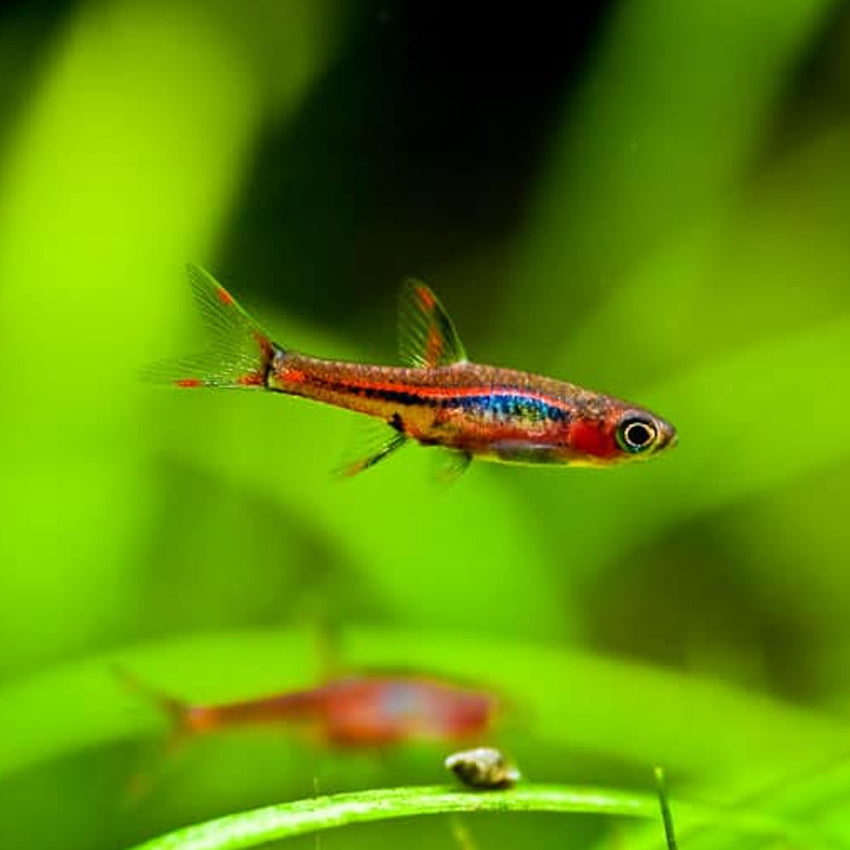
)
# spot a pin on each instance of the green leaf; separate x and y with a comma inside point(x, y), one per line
point(253, 828)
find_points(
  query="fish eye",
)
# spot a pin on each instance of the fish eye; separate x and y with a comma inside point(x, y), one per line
point(636, 434)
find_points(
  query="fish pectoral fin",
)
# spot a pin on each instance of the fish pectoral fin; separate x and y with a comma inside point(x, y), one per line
point(426, 335)
point(522, 451)
point(373, 446)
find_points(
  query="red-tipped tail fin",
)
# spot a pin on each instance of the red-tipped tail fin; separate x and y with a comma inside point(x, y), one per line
point(179, 713)
point(181, 718)
point(240, 353)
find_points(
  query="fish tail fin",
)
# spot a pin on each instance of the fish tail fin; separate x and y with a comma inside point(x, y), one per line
point(182, 723)
point(178, 712)
point(240, 353)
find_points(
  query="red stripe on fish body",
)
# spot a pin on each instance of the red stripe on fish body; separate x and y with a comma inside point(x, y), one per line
point(501, 414)
point(370, 389)
point(360, 711)
point(287, 707)
point(363, 389)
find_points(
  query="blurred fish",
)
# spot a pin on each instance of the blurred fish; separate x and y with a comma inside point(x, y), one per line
point(352, 711)
point(438, 399)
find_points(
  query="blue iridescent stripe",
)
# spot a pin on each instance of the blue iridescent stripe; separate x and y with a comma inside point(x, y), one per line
point(510, 406)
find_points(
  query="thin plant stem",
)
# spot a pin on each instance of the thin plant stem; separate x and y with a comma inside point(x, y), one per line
point(667, 817)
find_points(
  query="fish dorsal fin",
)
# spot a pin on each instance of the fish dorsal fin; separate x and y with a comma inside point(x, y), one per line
point(426, 335)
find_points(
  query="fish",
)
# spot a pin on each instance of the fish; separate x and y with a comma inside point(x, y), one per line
point(351, 711)
point(438, 398)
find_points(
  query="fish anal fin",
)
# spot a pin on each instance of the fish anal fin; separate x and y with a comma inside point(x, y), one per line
point(427, 335)
point(376, 442)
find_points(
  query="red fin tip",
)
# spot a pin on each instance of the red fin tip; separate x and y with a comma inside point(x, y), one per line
point(425, 297)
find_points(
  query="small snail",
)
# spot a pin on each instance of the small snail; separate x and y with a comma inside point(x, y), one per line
point(483, 768)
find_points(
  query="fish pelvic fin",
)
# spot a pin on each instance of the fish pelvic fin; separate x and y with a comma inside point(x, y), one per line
point(374, 440)
point(454, 462)
point(427, 335)
point(381, 444)
point(239, 353)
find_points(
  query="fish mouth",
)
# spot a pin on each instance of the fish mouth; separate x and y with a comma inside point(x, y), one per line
point(669, 438)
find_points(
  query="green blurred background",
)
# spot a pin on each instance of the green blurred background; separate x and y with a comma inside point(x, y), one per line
point(648, 198)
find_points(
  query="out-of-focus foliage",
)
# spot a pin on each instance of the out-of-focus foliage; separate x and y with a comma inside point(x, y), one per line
point(654, 203)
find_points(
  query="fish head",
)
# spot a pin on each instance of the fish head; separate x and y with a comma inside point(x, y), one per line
point(618, 432)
